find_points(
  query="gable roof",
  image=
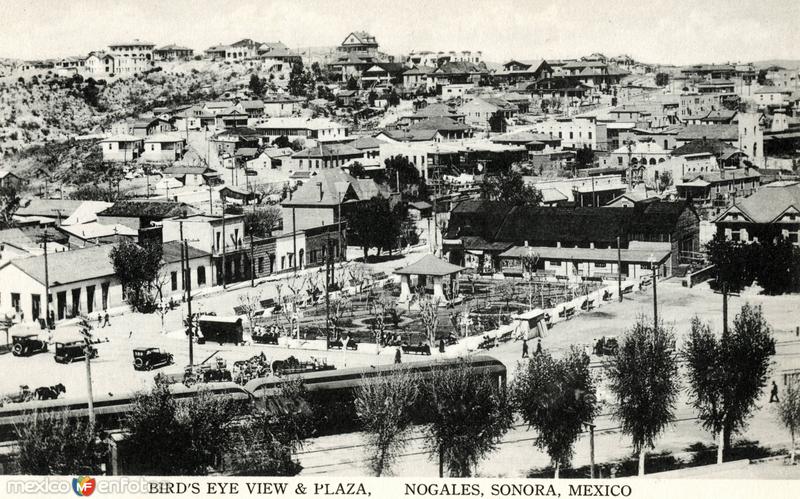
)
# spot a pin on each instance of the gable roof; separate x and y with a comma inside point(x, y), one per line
point(335, 185)
point(171, 252)
point(415, 135)
point(322, 150)
point(180, 170)
point(439, 123)
point(769, 202)
point(366, 142)
point(709, 146)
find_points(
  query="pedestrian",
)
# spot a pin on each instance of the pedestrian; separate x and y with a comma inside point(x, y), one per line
point(538, 346)
point(773, 395)
point(99, 320)
point(524, 348)
point(107, 322)
point(130, 334)
point(441, 345)
point(397, 356)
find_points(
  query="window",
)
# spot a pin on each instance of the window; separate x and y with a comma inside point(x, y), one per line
point(174, 280)
point(619, 160)
point(201, 275)
point(736, 235)
point(261, 264)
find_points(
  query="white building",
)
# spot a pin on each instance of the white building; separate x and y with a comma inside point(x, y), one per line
point(131, 57)
point(320, 129)
point(573, 132)
point(121, 147)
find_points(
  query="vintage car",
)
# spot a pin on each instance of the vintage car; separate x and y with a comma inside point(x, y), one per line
point(339, 343)
point(265, 336)
point(205, 373)
point(145, 359)
point(606, 346)
point(73, 350)
point(27, 344)
point(420, 348)
point(292, 365)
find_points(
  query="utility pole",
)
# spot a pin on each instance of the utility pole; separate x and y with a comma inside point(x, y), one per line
point(619, 271)
point(183, 255)
point(591, 450)
point(341, 256)
point(224, 267)
point(86, 332)
point(188, 286)
point(654, 266)
point(45, 237)
point(252, 262)
point(294, 243)
point(328, 284)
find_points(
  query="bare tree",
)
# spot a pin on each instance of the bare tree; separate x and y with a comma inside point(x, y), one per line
point(249, 304)
point(383, 404)
point(358, 275)
point(379, 308)
point(789, 412)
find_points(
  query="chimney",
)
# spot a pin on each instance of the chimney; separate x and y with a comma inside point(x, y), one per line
point(320, 190)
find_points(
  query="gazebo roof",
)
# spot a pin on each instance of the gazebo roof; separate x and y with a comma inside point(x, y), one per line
point(429, 265)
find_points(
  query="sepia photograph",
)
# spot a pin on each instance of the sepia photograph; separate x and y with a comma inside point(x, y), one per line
point(549, 247)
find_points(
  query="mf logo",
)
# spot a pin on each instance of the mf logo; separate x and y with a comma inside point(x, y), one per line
point(84, 485)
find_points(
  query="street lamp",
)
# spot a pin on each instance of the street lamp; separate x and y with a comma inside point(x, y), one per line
point(652, 261)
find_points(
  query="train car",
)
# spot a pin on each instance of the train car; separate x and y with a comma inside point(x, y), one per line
point(110, 410)
point(331, 394)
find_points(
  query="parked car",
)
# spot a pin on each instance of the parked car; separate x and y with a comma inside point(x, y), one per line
point(145, 359)
point(421, 349)
point(606, 346)
point(27, 344)
point(73, 350)
point(205, 373)
point(294, 366)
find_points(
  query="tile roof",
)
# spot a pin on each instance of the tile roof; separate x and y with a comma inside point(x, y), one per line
point(148, 209)
point(439, 123)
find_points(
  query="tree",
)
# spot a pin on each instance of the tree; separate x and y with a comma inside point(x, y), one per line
point(261, 221)
point(352, 83)
point(249, 304)
point(9, 204)
point(468, 415)
point(727, 375)
point(732, 262)
point(257, 85)
point(584, 157)
point(510, 187)
point(789, 412)
point(58, 444)
point(664, 180)
point(189, 434)
point(497, 123)
point(282, 141)
point(299, 80)
point(137, 268)
point(379, 307)
point(383, 404)
point(776, 270)
point(556, 397)
point(374, 225)
point(662, 79)
point(400, 168)
point(644, 379)
point(357, 170)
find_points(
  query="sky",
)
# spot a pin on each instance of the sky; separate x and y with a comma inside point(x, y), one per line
point(663, 31)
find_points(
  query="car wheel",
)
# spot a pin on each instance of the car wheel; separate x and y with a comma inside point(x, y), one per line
point(17, 349)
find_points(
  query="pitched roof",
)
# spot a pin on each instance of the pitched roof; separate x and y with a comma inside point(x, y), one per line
point(419, 70)
point(720, 132)
point(66, 267)
point(171, 252)
point(709, 146)
point(439, 123)
point(17, 238)
point(96, 230)
point(148, 209)
point(49, 207)
point(366, 142)
point(767, 203)
point(332, 186)
point(437, 110)
point(411, 135)
point(429, 265)
point(180, 170)
point(721, 176)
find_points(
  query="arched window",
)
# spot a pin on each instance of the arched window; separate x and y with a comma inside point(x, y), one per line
point(652, 161)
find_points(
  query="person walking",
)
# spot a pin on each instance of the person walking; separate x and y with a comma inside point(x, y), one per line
point(538, 346)
point(99, 320)
point(773, 394)
point(397, 356)
point(441, 345)
point(106, 322)
point(524, 348)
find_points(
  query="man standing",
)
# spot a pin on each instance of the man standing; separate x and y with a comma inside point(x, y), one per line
point(524, 348)
point(106, 322)
point(397, 356)
point(773, 395)
point(538, 346)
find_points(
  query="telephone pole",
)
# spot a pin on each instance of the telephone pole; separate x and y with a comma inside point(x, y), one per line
point(619, 271)
point(224, 267)
point(188, 287)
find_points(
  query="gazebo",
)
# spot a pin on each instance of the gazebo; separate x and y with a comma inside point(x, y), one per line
point(426, 267)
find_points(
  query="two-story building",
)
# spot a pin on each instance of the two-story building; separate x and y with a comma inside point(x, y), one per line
point(772, 211)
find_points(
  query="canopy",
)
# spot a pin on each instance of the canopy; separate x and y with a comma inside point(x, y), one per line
point(429, 265)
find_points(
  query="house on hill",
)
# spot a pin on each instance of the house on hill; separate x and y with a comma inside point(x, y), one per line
point(138, 214)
